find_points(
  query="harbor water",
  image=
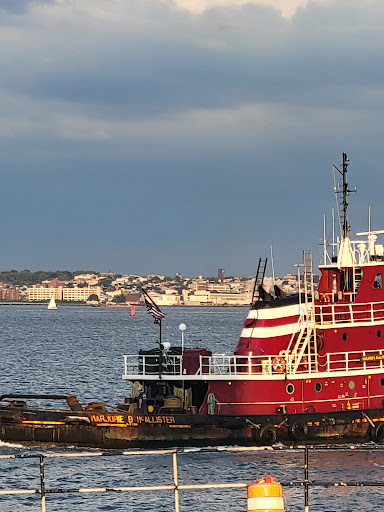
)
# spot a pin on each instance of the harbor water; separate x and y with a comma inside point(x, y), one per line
point(77, 350)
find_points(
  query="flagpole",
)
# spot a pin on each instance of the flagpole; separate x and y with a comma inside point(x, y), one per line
point(161, 352)
point(154, 311)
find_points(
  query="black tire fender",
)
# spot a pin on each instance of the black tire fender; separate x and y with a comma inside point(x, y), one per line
point(377, 432)
point(298, 431)
point(320, 343)
point(268, 434)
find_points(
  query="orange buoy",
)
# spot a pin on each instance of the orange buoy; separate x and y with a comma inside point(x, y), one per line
point(265, 495)
point(132, 310)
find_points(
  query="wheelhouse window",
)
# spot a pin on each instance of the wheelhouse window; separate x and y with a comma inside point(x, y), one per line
point(378, 282)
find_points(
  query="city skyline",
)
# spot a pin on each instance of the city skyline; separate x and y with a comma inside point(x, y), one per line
point(185, 135)
point(111, 289)
point(219, 274)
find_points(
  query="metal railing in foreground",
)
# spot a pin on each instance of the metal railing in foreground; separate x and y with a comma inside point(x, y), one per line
point(175, 486)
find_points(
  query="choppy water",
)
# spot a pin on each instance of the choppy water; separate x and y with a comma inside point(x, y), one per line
point(78, 350)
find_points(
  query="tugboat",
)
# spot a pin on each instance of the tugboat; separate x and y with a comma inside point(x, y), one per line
point(308, 368)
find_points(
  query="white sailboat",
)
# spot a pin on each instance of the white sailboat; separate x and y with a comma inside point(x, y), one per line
point(52, 304)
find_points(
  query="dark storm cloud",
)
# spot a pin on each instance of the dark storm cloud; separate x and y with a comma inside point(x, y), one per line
point(220, 59)
point(221, 126)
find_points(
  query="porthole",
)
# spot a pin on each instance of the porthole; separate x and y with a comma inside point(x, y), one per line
point(378, 333)
point(290, 389)
point(318, 386)
point(382, 382)
point(344, 336)
point(352, 384)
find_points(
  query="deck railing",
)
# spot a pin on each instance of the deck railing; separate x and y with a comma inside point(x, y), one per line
point(174, 486)
point(151, 364)
point(352, 313)
point(225, 366)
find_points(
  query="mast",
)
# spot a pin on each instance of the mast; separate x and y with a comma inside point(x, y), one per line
point(324, 241)
point(346, 193)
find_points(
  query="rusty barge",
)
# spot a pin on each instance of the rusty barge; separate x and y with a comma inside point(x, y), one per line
point(100, 426)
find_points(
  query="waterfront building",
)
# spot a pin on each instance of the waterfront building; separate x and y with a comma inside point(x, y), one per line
point(10, 293)
point(78, 294)
point(132, 297)
point(166, 299)
point(39, 293)
point(215, 298)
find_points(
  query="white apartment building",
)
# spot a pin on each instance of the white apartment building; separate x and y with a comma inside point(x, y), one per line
point(40, 293)
point(166, 299)
point(81, 294)
point(208, 298)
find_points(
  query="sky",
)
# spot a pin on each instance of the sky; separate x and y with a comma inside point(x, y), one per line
point(164, 136)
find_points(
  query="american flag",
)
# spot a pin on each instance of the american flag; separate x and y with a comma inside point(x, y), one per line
point(153, 310)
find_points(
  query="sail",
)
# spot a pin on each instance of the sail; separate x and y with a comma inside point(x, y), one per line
point(52, 304)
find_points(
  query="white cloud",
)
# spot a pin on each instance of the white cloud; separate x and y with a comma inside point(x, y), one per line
point(249, 125)
point(101, 70)
point(286, 7)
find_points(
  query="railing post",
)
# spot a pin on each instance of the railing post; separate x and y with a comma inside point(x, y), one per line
point(176, 481)
point(42, 483)
point(306, 474)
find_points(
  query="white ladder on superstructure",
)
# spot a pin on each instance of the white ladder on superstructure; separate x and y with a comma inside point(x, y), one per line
point(302, 349)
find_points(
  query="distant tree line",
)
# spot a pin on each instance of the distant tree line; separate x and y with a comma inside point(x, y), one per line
point(28, 278)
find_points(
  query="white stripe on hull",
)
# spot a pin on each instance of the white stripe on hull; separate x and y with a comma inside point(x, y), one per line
point(270, 332)
point(270, 313)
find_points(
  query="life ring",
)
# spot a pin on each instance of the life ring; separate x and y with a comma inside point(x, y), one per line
point(325, 297)
point(298, 431)
point(278, 364)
